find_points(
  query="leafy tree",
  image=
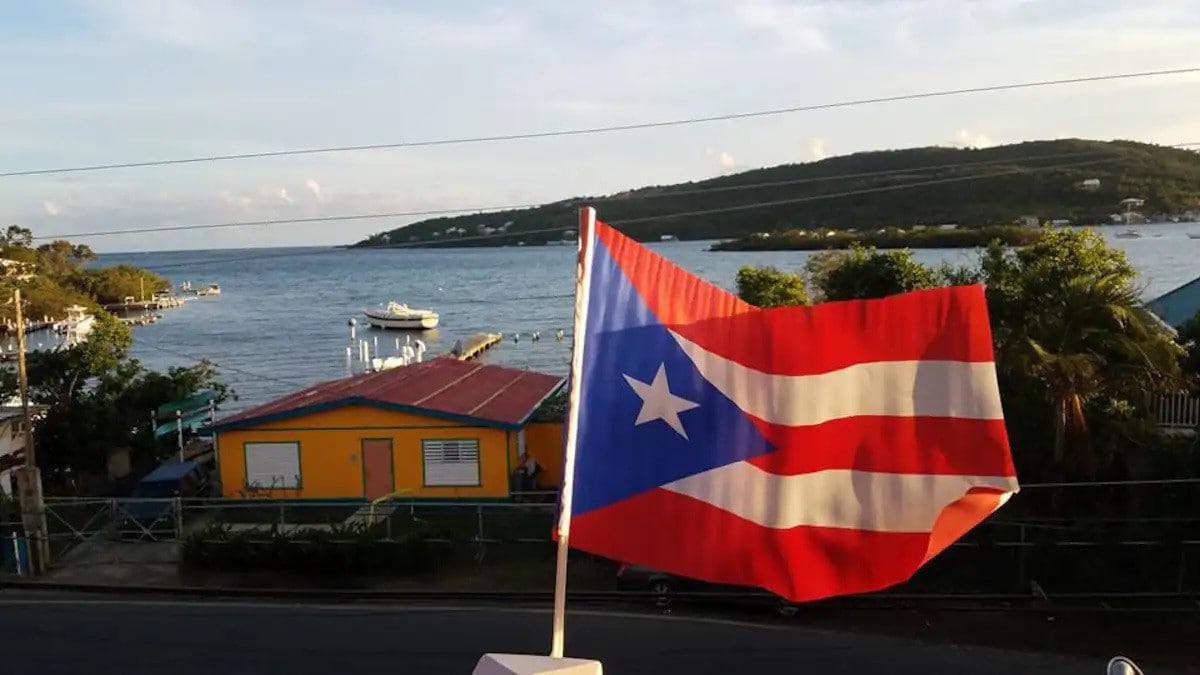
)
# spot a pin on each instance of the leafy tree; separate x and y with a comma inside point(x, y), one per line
point(61, 258)
point(1189, 338)
point(1072, 331)
point(99, 398)
point(17, 237)
point(41, 297)
point(859, 273)
point(61, 280)
point(771, 287)
point(114, 284)
point(56, 377)
point(1079, 359)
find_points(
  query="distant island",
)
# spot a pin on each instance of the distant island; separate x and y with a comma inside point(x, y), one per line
point(1061, 181)
point(947, 236)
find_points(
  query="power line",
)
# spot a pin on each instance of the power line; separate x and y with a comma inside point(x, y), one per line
point(645, 194)
point(200, 359)
point(449, 243)
point(756, 205)
point(854, 193)
point(608, 129)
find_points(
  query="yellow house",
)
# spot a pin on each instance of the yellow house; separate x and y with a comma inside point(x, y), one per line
point(440, 429)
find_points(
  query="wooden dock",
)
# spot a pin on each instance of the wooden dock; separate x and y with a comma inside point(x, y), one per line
point(144, 305)
point(472, 347)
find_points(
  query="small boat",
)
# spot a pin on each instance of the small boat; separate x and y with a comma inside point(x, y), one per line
point(1129, 234)
point(212, 289)
point(1193, 235)
point(401, 317)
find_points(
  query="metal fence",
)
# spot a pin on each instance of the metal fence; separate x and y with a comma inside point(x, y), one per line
point(1156, 551)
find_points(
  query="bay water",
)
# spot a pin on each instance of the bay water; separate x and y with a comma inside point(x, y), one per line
point(280, 322)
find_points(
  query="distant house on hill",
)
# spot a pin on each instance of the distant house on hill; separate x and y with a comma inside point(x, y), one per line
point(12, 444)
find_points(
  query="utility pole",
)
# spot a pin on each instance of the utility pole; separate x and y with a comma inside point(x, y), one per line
point(29, 477)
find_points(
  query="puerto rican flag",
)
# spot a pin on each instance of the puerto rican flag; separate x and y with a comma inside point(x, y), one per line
point(809, 451)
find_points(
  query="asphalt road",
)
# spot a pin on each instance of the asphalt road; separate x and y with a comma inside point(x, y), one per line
point(44, 635)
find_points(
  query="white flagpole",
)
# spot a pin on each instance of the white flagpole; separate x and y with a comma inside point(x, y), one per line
point(583, 278)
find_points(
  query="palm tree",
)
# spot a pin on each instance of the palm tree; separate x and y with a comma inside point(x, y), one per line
point(1092, 339)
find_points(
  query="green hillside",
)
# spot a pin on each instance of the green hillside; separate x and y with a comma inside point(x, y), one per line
point(972, 187)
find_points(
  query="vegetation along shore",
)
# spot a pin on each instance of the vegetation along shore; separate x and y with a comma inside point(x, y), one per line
point(95, 397)
point(938, 237)
point(54, 276)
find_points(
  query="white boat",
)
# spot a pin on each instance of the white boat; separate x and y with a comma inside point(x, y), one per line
point(77, 326)
point(1129, 234)
point(1193, 235)
point(401, 317)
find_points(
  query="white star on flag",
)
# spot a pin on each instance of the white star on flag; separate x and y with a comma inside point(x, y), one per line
point(658, 403)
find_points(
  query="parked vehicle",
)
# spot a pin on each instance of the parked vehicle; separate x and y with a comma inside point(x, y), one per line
point(149, 511)
point(1119, 665)
point(662, 586)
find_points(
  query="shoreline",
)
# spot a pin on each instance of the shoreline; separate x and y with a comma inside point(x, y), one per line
point(893, 238)
point(936, 238)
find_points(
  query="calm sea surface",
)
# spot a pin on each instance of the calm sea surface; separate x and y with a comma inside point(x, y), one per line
point(280, 322)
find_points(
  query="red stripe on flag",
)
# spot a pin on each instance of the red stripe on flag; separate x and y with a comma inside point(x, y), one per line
point(675, 533)
point(936, 324)
point(917, 445)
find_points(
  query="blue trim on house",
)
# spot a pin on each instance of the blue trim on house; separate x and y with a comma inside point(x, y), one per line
point(1177, 305)
point(380, 405)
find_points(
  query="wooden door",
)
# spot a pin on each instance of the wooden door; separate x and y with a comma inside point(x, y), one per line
point(379, 476)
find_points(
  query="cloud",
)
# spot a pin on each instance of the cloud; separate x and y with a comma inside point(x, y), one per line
point(283, 195)
point(965, 138)
point(236, 201)
point(796, 27)
point(816, 149)
point(191, 24)
point(51, 208)
point(146, 79)
point(314, 187)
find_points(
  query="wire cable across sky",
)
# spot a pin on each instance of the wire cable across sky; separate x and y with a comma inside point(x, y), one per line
point(616, 198)
point(607, 129)
point(450, 243)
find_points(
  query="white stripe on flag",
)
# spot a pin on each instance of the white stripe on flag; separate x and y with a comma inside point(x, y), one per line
point(843, 498)
point(884, 388)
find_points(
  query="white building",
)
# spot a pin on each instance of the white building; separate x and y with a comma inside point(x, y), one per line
point(12, 446)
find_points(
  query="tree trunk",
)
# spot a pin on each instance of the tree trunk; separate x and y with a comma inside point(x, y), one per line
point(1060, 434)
point(1056, 472)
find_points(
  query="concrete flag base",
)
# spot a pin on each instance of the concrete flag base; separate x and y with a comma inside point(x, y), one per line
point(528, 664)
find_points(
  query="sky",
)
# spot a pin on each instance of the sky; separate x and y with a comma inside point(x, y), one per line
point(102, 81)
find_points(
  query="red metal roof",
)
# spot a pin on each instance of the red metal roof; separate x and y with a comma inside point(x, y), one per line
point(442, 386)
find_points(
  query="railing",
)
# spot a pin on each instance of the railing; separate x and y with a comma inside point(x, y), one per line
point(1177, 412)
point(1157, 551)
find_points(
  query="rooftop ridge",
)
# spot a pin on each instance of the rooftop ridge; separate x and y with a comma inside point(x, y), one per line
point(456, 381)
point(499, 391)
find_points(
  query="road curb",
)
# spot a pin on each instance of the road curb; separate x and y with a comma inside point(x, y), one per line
point(981, 603)
point(305, 593)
